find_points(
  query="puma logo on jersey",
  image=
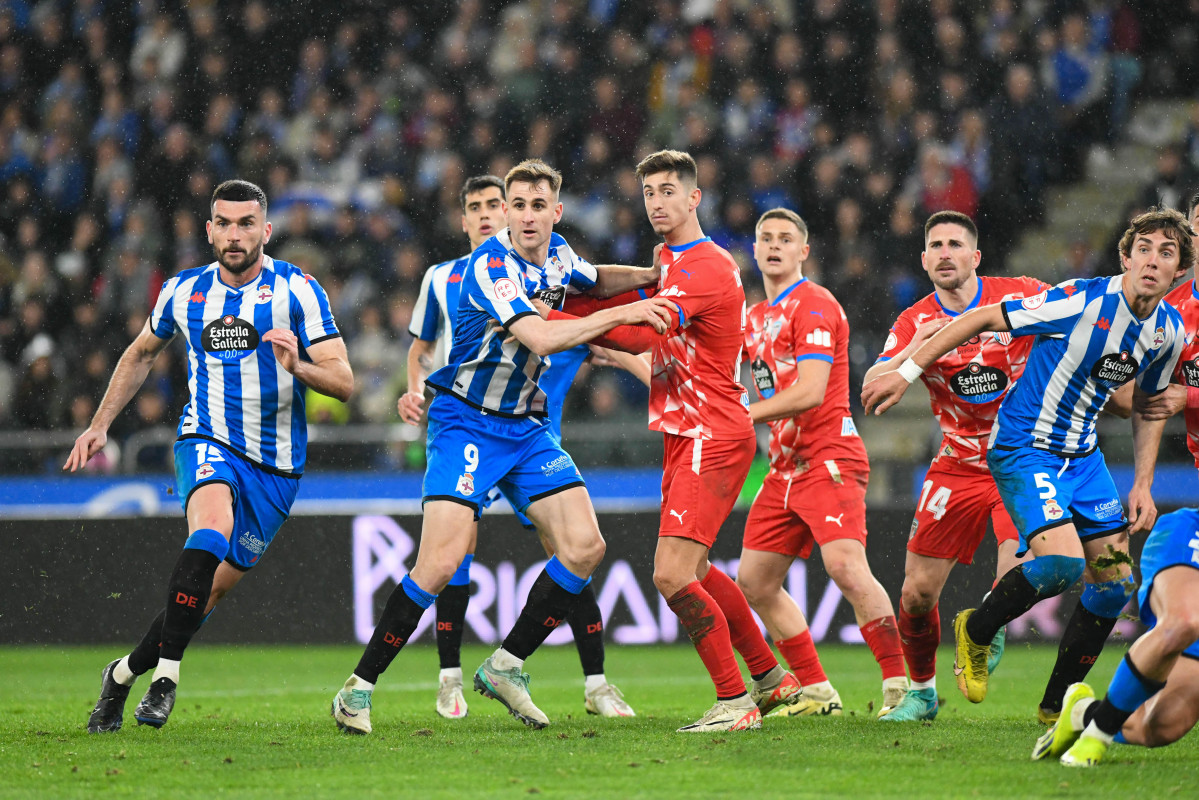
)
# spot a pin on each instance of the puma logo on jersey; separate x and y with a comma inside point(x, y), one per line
point(820, 338)
point(674, 513)
point(836, 519)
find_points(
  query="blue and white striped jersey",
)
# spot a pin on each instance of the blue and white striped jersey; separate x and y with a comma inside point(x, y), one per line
point(240, 396)
point(1089, 343)
point(436, 307)
point(482, 370)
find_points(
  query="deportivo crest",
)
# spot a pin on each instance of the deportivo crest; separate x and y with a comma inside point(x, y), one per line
point(264, 294)
point(204, 471)
point(466, 484)
point(1159, 338)
point(1052, 510)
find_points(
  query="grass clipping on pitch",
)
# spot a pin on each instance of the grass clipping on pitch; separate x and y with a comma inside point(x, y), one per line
point(254, 722)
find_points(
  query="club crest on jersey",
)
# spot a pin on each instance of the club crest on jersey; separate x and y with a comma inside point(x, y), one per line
point(466, 484)
point(1115, 369)
point(772, 326)
point(229, 338)
point(1159, 338)
point(912, 532)
point(1003, 337)
point(978, 384)
point(505, 290)
point(1034, 302)
point(1052, 510)
point(204, 471)
point(264, 294)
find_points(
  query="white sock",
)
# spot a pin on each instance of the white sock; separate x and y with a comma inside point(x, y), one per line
point(354, 682)
point(501, 659)
point(931, 683)
point(167, 669)
point(1093, 731)
point(450, 674)
point(1077, 714)
point(593, 682)
point(122, 674)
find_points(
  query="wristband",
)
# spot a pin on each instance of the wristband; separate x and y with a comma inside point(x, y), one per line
point(910, 371)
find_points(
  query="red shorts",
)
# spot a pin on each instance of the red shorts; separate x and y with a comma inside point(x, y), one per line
point(951, 519)
point(701, 480)
point(825, 503)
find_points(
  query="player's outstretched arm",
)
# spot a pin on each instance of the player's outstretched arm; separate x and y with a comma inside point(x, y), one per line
point(127, 378)
point(412, 402)
point(922, 335)
point(614, 279)
point(1146, 438)
point(329, 370)
point(1166, 404)
point(885, 391)
point(544, 337)
point(637, 366)
point(807, 392)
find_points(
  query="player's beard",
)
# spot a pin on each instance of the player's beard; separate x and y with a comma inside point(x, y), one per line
point(951, 283)
point(251, 258)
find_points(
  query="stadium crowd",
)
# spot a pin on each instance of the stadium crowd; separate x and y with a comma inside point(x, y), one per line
point(362, 119)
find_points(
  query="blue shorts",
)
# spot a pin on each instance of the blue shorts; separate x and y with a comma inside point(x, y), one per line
point(468, 452)
point(1173, 542)
point(1043, 490)
point(261, 500)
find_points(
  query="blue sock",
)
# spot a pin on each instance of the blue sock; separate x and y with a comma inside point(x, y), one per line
point(417, 594)
point(461, 576)
point(564, 577)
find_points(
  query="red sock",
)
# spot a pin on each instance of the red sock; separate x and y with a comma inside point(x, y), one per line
point(882, 637)
point(920, 637)
point(800, 653)
point(743, 629)
point(705, 624)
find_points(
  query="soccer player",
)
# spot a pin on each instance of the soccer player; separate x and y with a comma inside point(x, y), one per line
point(797, 343)
point(259, 332)
point(482, 199)
point(488, 427)
point(702, 412)
point(1093, 336)
point(1153, 699)
point(965, 389)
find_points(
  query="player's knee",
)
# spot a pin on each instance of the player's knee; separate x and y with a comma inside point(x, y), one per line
point(1108, 598)
point(1051, 575)
point(1177, 631)
point(917, 599)
point(755, 591)
point(584, 553)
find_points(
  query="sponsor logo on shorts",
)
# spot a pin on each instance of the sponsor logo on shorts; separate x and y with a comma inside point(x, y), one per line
point(836, 520)
point(466, 484)
point(557, 465)
point(678, 514)
point(1115, 370)
point(204, 471)
point(1109, 509)
point(1052, 510)
point(252, 543)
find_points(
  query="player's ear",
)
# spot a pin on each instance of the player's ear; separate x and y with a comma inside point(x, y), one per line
point(266, 232)
point(208, 230)
point(557, 213)
point(696, 195)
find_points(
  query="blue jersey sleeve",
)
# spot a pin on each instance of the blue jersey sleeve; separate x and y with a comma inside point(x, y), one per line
point(162, 318)
point(426, 314)
point(1053, 312)
point(497, 288)
point(1156, 378)
point(313, 316)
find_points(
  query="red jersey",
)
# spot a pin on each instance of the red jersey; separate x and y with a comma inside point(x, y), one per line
point(966, 385)
point(694, 390)
point(1185, 298)
point(804, 322)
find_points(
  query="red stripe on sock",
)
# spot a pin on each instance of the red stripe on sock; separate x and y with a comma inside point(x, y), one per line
point(800, 653)
point(882, 637)
point(704, 622)
point(920, 636)
point(743, 628)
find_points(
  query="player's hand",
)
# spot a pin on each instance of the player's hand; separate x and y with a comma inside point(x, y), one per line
point(602, 357)
point(883, 392)
point(87, 445)
point(1163, 405)
point(655, 312)
point(924, 333)
point(658, 256)
point(1142, 512)
point(540, 307)
point(411, 406)
point(286, 346)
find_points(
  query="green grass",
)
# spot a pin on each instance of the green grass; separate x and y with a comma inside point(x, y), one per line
point(254, 721)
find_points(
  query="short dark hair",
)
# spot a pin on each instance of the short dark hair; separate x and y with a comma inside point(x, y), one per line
point(786, 214)
point(478, 183)
point(676, 161)
point(534, 171)
point(239, 191)
point(1191, 206)
point(951, 218)
point(1170, 222)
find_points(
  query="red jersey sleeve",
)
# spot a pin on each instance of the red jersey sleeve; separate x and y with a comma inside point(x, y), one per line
point(814, 328)
point(900, 335)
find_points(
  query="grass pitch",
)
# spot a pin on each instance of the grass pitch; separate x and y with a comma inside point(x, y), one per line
point(254, 722)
